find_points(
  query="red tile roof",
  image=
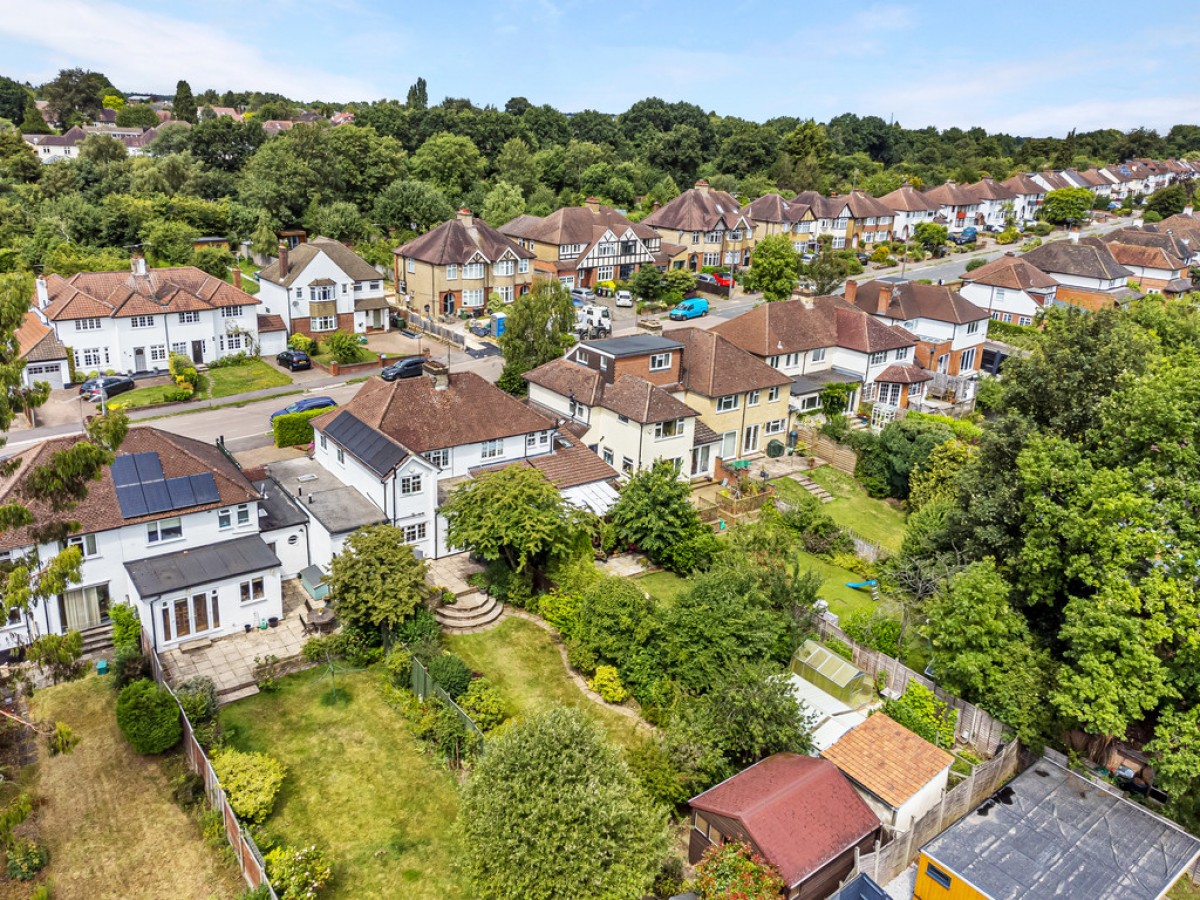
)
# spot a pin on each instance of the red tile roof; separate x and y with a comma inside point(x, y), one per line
point(907, 374)
point(716, 367)
point(1011, 272)
point(887, 759)
point(800, 811)
point(36, 342)
point(102, 295)
point(698, 209)
point(913, 300)
point(629, 395)
point(772, 329)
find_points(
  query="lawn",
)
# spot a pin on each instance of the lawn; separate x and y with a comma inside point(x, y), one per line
point(854, 508)
point(359, 785)
point(107, 815)
point(249, 285)
point(666, 586)
point(362, 355)
point(252, 375)
point(523, 661)
point(1184, 889)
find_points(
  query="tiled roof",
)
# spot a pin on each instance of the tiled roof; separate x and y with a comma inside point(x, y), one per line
point(1022, 184)
point(791, 326)
point(1177, 241)
point(269, 323)
point(823, 206)
point(800, 812)
point(772, 208)
point(990, 189)
point(951, 194)
point(574, 225)
point(864, 206)
point(568, 466)
point(100, 511)
point(1011, 272)
point(455, 242)
point(887, 759)
point(102, 295)
point(697, 209)
point(302, 254)
point(1144, 257)
point(415, 414)
point(37, 342)
point(1089, 258)
point(715, 367)
point(913, 300)
point(907, 374)
point(629, 396)
point(907, 198)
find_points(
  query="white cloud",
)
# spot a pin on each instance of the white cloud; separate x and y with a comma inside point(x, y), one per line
point(142, 50)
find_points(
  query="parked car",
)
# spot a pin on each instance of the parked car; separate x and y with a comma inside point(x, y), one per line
point(304, 406)
point(105, 386)
point(722, 279)
point(293, 360)
point(863, 258)
point(966, 236)
point(582, 296)
point(807, 258)
point(624, 298)
point(409, 367)
point(689, 309)
point(705, 278)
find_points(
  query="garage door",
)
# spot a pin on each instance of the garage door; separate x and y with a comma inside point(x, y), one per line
point(49, 373)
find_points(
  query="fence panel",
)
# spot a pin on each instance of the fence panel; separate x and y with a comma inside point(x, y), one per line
point(423, 686)
point(437, 330)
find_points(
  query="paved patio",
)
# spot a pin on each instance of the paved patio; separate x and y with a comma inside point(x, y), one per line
point(452, 572)
point(229, 660)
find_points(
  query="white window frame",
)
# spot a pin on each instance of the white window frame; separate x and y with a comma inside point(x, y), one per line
point(323, 323)
point(191, 317)
point(728, 403)
point(671, 428)
point(410, 265)
point(775, 426)
point(451, 271)
point(253, 589)
point(472, 298)
point(493, 449)
point(522, 266)
point(231, 312)
point(141, 322)
point(410, 484)
point(87, 325)
point(752, 398)
point(86, 544)
point(773, 394)
point(413, 532)
point(158, 353)
point(660, 362)
point(473, 271)
point(158, 532)
point(504, 268)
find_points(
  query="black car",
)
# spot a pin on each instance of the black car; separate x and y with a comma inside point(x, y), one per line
point(294, 360)
point(106, 386)
point(409, 367)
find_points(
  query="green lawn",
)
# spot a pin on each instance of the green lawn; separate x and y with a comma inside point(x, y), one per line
point(523, 661)
point(253, 375)
point(666, 586)
point(854, 508)
point(362, 354)
point(359, 785)
point(249, 285)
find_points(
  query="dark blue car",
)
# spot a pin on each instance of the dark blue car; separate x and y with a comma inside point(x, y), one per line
point(305, 405)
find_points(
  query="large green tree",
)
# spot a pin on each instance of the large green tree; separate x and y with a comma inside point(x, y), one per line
point(414, 206)
point(655, 513)
point(184, 105)
point(539, 327)
point(1067, 205)
point(774, 268)
point(450, 162)
point(13, 95)
point(377, 582)
point(76, 96)
point(552, 811)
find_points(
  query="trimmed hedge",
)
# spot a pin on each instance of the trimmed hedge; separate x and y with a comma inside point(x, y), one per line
point(294, 429)
point(251, 781)
point(148, 717)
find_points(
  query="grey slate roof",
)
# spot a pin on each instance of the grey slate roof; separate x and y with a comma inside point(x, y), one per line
point(1051, 833)
point(195, 566)
point(633, 345)
point(276, 509)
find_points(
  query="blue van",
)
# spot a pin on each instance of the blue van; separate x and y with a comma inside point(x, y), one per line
point(689, 309)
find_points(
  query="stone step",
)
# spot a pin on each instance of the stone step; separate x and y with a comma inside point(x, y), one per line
point(499, 614)
point(235, 694)
point(478, 621)
point(452, 615)
point(471, 600)
point(812, 487)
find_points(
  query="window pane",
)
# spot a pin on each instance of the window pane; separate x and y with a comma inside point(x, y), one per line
point(200, 611)
point(183, 622)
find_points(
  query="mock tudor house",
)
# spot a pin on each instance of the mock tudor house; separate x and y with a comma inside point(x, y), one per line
point(172, 528)
point(582, 246)
point(909, 209)
point(44, 355)
point(132, 321)
point(1010, 289)
point(459, 265)
point(710, 224)
point(321, 286)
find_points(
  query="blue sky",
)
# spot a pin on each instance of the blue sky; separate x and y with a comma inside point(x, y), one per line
point(1023, 67)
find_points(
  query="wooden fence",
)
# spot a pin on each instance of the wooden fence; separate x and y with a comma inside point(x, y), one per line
point(838, 455)
point(887, 861)
point(423, 685)
point(974, 726)
point(434, 329)
point(249, 859)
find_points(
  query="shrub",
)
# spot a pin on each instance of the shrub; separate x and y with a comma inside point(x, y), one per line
point(420, 633)
point(921, 712)
point(735, 870)
point(234, 359)
point(262, 892)
point(581, 657)
point(356, 647)
point(62, 739)
point(343, 347)
point(303, 343)
point(59, 653)
point(1041, 229)
point(562, 611)
point(127, 629)
point(976, 263)
point(484, 704)
point(251, 781)
point(26, 858)
point(129, 665)
point(607, 683)
point(295, 429)
point(1009, 235)
point(188, 789)
point(398, 665)
point(297, 873)
point(185, 375)
point(451, 673)
point(177, 394)
point(198, 697)
point(874, 630)
point(148, 717)
point(841, 648)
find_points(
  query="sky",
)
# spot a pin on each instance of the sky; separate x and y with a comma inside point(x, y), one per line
point(1027, 68)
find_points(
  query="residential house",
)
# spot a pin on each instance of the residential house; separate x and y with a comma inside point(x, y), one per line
point(849, 220)
point(997, 204)
point(870, 220)
point(53, 147)
point(1010, 289)
point(770, 214)
point(44, 355)
point(1127, 180)
point(132, 322)
point(1181, 239)
point(740, 397)
point(1029, 195)
point(1153, 268)
point(826, 340)
point(798, 812)
point(1095, 181)
point(459, 266)
point(909, 209)
point(950, 329)
point(321, 286)
point(709, 223)
point(172, 528)
point(957, 205)
point(218, 112)
point(1051, 833)
point(899, 774)
point(582, 246)
point(617, 396)
point(1087, 274)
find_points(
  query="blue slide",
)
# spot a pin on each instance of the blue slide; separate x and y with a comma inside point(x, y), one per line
point(862, 584)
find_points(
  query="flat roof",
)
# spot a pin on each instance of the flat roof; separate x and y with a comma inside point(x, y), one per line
point(338, 507)
point(195, 566)
point(1050, 833)
point(277, 509)
point(632, 345)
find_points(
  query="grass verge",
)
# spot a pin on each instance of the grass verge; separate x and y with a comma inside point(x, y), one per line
point(359, 785)
point(106, 813)
point(252, 375)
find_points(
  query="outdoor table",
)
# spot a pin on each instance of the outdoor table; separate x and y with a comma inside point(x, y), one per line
point(321, 617)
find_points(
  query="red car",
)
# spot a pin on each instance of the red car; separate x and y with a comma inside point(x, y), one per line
point(722, 280)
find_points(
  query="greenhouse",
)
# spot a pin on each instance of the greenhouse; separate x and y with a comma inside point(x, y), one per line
point(832, 674)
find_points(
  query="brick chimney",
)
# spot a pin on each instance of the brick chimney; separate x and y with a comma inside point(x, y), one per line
point(283, 259)
point(464, 216)
point(237, 277)
point(43, 293)
point(438, 372)
point(702, 186)
point(592, 203)
point(851, 290)
point(885, 297)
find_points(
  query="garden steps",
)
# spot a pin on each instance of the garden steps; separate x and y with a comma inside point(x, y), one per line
point(96, 641)
point(472, 612)
point(812, 487)
point(232, 695)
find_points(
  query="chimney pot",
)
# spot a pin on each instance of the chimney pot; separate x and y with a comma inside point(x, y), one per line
point(851, 290)
point(1187, 210)
point(592, 203)
point(283, 259)
point(885, 298)
point(137, 264)
point(701, 185)
point(237, 277)
point(464, 215)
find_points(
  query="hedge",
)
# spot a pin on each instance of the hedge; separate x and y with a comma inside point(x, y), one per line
point(294, 429)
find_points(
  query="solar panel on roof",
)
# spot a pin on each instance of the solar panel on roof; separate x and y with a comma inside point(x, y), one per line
point(132, 503)
point(181, 492)
point(157, 498)
point(149, 467)
point(204, 488)
point(124, 471)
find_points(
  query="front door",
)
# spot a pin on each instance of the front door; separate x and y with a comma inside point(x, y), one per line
point(139, 359)
point(377, 318)
point(197, 351)
point(83, 607)
point(448, 305)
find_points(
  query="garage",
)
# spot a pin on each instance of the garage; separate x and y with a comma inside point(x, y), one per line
point(48, 372)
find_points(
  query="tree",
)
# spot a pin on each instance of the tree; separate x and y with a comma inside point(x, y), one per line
point(514, 514)
point(184, 105)
point(933, 479)
point(678, 152)
point(826, 271)
point(418, 96)
point(503, 204)
point(552, 811)
point(540, 325)
point(924, 714)
point(616, 617)
point(224, 143)
point(75, 96)
point(137, 115)
point(263, 240)
point(930, 235)
point(377, 581)
point(655, 512)
point(1169, 201)
point(733, 869)
point(451, 162)
point(774, 268)
point(516, 164)
point(32, 120)
point(647, 283)
point(411, 206)
point(339, 220)
point(13, 97)
point(1068, 205)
